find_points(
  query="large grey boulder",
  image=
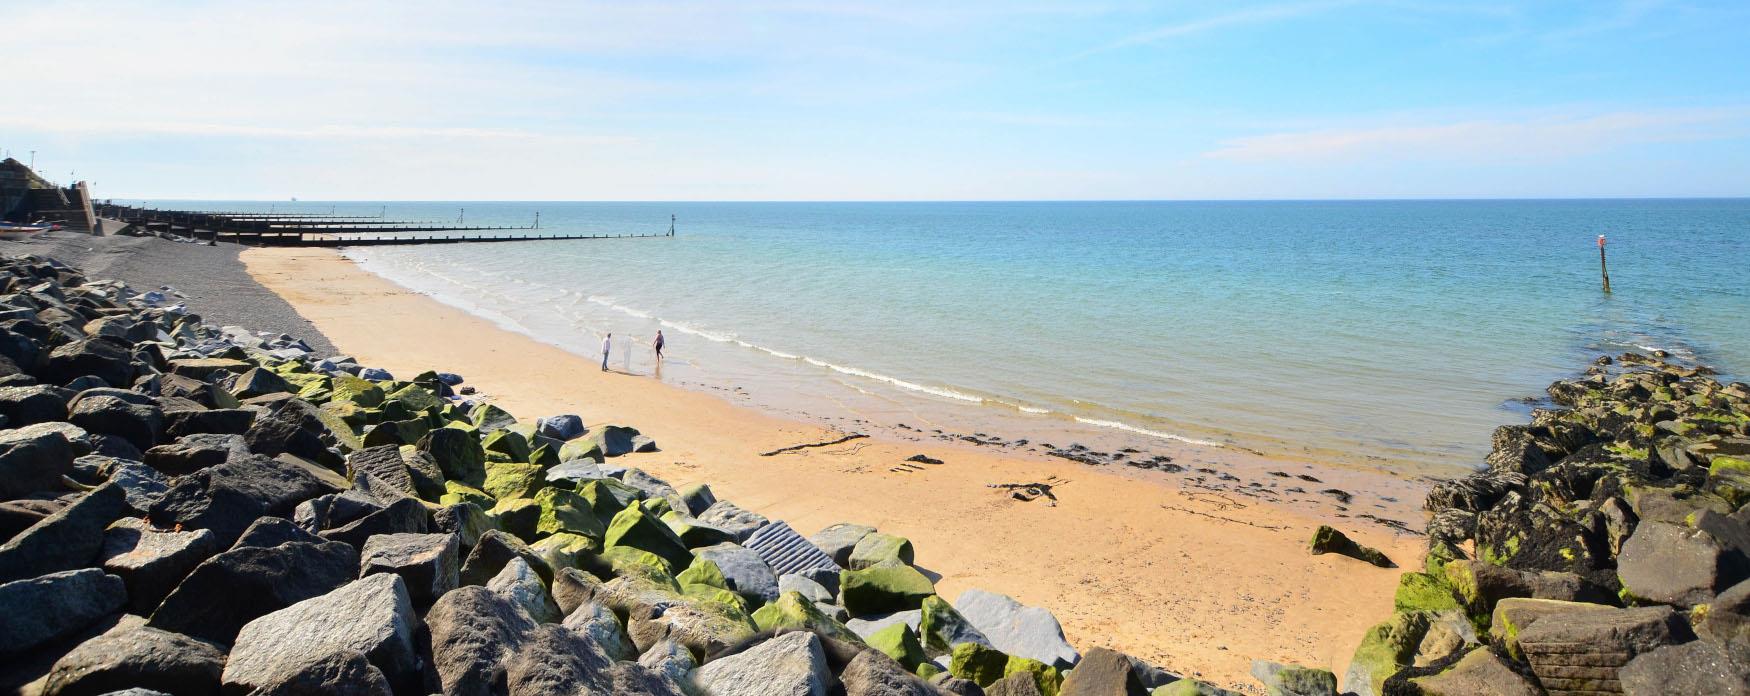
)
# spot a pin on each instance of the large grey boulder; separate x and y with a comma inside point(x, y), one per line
point(495, 549)
point(783, 550)
point(1016, 629)
point(595, 621)
point(1480, 671)
point(562, 427)
point(372, 616)
point(572, 588)
point(1570, 651)
point(36, 403)
point(65, 540)
point(152, 562)
point(868, 626)
point(135, 655)
point(268, 532)
point(1697, 667)
point(519, 585)
point(427, 563)
point(671, 660)
point(41, 609)
point(32, 462)
point(403, 516)
point(1670, 564)
point(237, 586)
point(792, 664)
point(473, 632)
point(807, 587)
point(144, 486)
point(1728, 617)
point(744, 570)
point(228, 497)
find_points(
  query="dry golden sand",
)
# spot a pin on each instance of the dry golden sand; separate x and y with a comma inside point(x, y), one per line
point(1197, 582)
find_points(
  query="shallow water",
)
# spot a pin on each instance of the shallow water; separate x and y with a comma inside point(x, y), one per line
point(1394, 333)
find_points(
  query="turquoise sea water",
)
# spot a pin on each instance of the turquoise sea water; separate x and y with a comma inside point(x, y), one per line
point(1392, 332)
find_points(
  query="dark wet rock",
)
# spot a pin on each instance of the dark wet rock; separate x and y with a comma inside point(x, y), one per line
point(472, 632)
point(1329, 540)
point(493, 551)
point(385, 464)
point(18, 515)
point(134, 655)
point(191, 453)
point(48, 607)
point(237, 586)
point(404, 516)
point(32, 462)
point(792, 664)
point(228, 497)
point(618, 440)
point(104, 357)
point(66, 540)
point(227, 421)
point(562, 428)
point(139, 424)
point(141, 485)
point(40, 403)
point(428, 564)
point(338, 673)
point(258, 382)
point(1728, 616)
point(152, 562)
point(372, 616)
point(268, 532)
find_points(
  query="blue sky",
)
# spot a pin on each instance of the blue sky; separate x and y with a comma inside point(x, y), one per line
point(884, 100)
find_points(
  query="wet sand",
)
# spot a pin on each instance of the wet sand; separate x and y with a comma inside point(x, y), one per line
point(1198, 572)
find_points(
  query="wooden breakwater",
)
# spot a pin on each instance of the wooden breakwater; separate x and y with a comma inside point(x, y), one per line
point(328, 230)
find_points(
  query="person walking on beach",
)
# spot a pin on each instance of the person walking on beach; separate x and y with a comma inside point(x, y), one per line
point(607, 342)
point(657, 344)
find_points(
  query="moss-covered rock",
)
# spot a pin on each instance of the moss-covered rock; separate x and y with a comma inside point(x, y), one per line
point(1044, 676)
point(1385, 649)
point(979, 664)
point(1439, 554)
point(1192, 687)
point(703, 571)
point(941, 627)
point(397, 432)
point(487, 418)
point(351, 414)
point(1514, 615)
point(417, 398)
point(693, 533)
point(1423, 592)
point(655, 507)
point(508, 444)
point(363, 392)
point(565, 511)
point(514, 480)
point(566, 550)
point(888, 587)
point(582, 449)
point(457, 453)
point(635, 528)
point(901, 643)
point(876, 547)
point(608, 497)
point(1327, 539)
point(520, 517)
point(544, 454)
point(458, 492)
point(1729, 478)
point(792, 611)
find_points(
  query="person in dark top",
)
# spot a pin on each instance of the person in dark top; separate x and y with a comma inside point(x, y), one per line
point(657, 344)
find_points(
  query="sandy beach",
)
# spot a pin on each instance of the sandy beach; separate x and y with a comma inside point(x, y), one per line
point(1198, 581)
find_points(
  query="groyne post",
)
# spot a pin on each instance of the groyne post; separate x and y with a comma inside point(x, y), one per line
point(1603, 267)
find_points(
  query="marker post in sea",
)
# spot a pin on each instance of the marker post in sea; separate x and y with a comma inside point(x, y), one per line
point(1603, 267)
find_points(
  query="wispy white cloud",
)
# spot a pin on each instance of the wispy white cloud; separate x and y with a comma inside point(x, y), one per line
point(133, 127)
point(1251, 15)
point(1491, 139)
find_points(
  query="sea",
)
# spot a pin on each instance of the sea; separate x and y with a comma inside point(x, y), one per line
point(1387, 334)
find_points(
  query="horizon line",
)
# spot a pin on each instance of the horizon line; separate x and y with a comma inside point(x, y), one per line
point(1353, 199)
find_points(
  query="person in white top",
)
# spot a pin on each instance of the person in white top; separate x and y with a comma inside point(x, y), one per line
point(607, 342)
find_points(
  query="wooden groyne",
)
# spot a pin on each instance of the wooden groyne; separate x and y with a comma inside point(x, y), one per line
point(327, 230)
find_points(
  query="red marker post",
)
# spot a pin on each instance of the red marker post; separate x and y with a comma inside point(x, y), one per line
point(1603, 267)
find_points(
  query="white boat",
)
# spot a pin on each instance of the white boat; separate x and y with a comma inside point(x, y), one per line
point(9, 230)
